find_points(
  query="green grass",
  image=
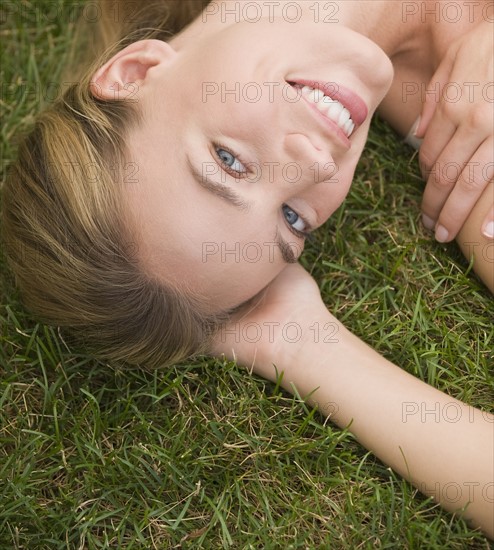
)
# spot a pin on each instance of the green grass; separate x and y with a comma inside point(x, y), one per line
point(203, 455)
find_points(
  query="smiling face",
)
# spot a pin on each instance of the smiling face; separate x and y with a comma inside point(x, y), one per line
point(236, 161)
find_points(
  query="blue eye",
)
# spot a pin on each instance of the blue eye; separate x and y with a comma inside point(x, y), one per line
point(295, 222)
point(230, 162)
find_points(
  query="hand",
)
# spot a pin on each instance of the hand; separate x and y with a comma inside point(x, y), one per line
point(457, 124)
point(254, 337)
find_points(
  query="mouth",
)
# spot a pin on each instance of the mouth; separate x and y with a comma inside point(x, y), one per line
point(341, 106)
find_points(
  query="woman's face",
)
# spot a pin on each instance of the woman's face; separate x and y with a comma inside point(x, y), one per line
point(234, 162)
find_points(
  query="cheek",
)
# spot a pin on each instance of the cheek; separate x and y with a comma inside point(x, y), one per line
point(242, 120)
point(250, 285)
point(261, 263)
point(328, 196)
point(242, 107)
point(258, 265)
point(344, 182)
point(233, 271)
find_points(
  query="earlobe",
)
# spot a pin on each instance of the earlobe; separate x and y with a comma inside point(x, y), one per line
point(122, 76)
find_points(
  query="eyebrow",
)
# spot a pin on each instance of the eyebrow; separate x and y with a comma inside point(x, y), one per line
point(217, 188)
point(230, 196)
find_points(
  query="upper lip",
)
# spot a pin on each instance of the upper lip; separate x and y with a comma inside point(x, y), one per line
point(349, 99)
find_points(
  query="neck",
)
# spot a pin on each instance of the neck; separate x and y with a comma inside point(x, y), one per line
point(385, 22)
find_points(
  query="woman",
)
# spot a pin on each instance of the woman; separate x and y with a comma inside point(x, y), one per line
point(85, 260)
point(93, 259)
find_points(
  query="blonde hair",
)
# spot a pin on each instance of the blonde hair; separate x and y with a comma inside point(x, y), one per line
point(64, 232)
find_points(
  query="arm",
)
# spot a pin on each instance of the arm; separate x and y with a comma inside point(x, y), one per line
point(474, 243)
point(434, 441)
point(442, 446)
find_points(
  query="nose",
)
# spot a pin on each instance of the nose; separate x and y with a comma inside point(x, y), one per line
point(308, 162)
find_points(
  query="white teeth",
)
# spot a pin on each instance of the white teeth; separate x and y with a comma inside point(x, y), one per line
point(335, 111)
point(344, 117)
point(316, 95)
point(332, 108)
point(325, 103)
point(348, 128)
point(326, 100)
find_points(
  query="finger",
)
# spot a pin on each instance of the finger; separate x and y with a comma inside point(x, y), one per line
point(470, 185)
point(440, 133)
point(444, 166)
point(433, 95)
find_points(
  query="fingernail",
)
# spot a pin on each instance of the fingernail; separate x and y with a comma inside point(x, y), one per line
point(427, 222)
point(441, 234)
point(416, 126)
point(489, 230)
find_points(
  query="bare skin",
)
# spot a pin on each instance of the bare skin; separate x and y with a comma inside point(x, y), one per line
point(350, 376)
point(284, 155)
point(366, 393)
point(459, 131)
point(387, 409)
point(346, 379)
point(430, 48)
point(474, 243)
point(272, 133)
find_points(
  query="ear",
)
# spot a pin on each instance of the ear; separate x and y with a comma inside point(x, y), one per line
point(128, 70)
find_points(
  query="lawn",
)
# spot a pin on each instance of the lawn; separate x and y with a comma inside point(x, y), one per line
point(203, 455)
